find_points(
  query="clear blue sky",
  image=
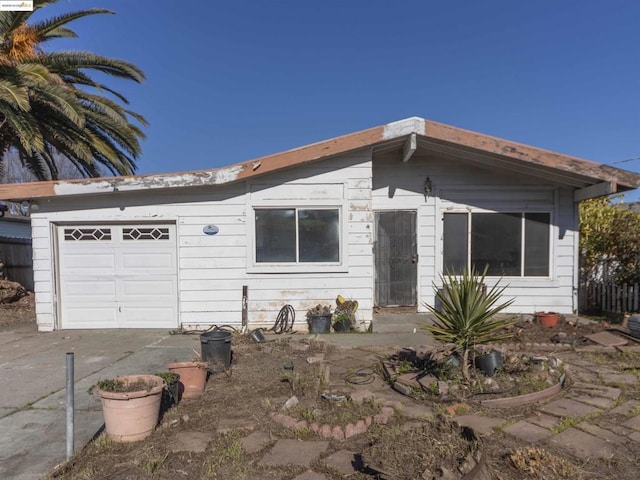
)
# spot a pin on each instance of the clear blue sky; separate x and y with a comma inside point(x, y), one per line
point(230, 81)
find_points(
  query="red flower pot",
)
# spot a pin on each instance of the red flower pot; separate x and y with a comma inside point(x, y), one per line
point(547, 319)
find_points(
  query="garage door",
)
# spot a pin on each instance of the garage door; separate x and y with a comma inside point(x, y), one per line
point(118, 276)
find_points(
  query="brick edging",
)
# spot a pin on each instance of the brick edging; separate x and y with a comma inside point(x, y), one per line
point(337, 432)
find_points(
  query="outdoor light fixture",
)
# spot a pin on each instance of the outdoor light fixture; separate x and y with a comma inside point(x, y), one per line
point(428, 188)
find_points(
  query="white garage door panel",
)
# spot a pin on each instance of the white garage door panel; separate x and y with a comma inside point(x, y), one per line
point(161, 289)
point(98, 316)
point(91, 289)
point(146, 317)
point(88, 263)
point(118, 276)
point(157, 263)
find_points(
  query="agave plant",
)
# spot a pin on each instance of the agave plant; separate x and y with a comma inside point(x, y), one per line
point(467, 316)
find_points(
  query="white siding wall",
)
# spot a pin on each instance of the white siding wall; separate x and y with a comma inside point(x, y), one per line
point(213, 269)
point(461, 185)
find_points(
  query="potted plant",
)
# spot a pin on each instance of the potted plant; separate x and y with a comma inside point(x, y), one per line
point(171, 394)
point(319, 319)
point(130, 405)
point(547, 319)
point(345, 314)
point(342, 323)
point(467, 314)
point(193, 377)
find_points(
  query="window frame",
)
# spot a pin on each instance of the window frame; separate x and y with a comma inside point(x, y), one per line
point(515, 210)
point(342, 265)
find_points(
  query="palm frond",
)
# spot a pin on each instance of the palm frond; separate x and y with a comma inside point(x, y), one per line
point(48, 112)
point(51, 27)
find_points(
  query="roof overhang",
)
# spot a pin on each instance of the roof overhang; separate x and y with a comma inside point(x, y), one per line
point(590, 179)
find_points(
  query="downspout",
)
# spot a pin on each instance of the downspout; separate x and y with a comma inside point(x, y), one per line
point(576, 256)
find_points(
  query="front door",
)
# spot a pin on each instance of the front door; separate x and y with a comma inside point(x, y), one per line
point(396, 259)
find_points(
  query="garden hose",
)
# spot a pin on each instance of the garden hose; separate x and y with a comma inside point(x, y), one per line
point(362, 376)
point(284, 321)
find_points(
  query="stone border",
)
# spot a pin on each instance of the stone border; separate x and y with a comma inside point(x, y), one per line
point(337, 432)
point(527, 398)
point(531, 347)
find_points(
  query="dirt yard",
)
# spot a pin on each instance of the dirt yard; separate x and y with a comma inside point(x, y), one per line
point(419, 441)
point(18, 314)
point(410, 446)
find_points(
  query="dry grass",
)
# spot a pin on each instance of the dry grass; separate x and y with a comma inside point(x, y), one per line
point(536, 462)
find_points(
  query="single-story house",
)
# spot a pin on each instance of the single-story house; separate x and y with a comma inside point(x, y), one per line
point(375, 216)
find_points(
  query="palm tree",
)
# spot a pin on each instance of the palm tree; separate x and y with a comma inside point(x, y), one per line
point(50, 106)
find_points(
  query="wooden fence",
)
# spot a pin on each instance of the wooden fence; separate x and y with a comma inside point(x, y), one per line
point(17, 256)
point(606, 297)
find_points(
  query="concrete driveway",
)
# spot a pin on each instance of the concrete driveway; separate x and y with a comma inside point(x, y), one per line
point(33, 395)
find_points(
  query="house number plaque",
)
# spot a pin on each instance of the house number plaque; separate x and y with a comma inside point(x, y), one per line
point(210, 229)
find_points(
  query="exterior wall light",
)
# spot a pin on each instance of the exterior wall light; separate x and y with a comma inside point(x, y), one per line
point(428, 188)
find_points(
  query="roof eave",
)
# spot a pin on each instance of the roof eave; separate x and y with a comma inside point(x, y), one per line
point(618, 180)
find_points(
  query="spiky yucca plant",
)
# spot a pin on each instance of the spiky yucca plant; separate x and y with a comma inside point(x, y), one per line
point(467, 316)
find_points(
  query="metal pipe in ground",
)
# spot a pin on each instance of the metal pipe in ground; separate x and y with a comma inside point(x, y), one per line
point(245, 308)
point(70, 405)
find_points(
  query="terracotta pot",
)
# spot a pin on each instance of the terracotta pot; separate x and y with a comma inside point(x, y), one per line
point(132, 416)
point(547, 319)
point(193, 377)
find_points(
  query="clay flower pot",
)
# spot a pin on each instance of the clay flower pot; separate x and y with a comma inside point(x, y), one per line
point(193, 377)
point(547, 319)
point(132, 416)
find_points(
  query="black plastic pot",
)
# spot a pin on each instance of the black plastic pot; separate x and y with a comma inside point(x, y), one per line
point(257, 335)
point(216, 349)
point(488, 363)
point(319, 323)
point(342, 327)
point(171, 393)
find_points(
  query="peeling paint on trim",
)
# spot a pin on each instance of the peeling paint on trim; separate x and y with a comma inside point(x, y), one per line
point(404, 127)
point(124, 184)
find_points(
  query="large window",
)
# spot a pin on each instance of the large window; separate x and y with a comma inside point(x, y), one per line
point(507, 244)
point(297, 235)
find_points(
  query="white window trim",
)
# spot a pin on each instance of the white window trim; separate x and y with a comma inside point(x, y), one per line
point(519, 281)
point(312, 267)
